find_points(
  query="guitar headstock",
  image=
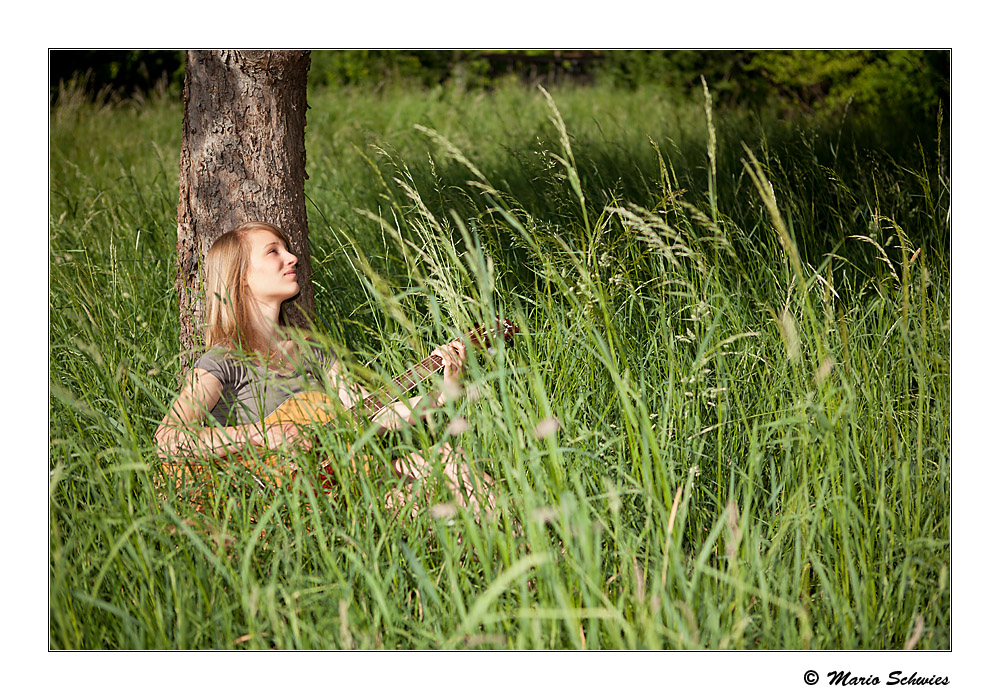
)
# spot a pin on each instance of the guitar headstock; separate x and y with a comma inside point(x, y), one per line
point(484, 336)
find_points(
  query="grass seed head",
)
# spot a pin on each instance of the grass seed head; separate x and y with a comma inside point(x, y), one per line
point(546, 427)
point(790, 334)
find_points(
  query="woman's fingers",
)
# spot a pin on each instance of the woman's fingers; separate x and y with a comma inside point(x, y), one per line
point(293, 435)
point(453, 356)
point(279, 435)
point(453, 352)
point(254, 437)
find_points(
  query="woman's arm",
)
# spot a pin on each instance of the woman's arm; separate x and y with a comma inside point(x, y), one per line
point(348, 392)
point(181, 433)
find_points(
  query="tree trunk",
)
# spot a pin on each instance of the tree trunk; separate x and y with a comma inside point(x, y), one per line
point(242, 159)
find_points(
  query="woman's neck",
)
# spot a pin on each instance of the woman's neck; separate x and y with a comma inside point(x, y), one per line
point(268, 331)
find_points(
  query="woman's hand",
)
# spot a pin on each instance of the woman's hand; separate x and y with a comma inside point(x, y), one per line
point(170, 444)
point(278, 435)
point(453, 356)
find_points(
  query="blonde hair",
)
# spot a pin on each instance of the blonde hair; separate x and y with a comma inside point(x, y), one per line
point(230, 314)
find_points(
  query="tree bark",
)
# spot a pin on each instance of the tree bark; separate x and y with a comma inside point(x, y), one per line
point(242, 159)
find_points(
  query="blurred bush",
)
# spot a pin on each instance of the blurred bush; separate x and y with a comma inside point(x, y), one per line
point(117, 74)
point(874, 83)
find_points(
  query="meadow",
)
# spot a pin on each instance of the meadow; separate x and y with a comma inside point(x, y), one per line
point(725, 422)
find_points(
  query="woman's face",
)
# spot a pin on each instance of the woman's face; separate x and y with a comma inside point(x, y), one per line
point(271, 274)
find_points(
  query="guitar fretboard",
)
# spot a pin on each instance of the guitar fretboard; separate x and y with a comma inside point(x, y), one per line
point(373, 403)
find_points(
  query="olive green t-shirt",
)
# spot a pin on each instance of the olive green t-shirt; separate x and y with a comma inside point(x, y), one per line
point(251, 391)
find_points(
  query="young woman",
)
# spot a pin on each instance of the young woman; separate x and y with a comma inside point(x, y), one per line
point(252, 366)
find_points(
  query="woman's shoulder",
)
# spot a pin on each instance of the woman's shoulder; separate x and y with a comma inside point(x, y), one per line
point(215, 354)
point(220, 362)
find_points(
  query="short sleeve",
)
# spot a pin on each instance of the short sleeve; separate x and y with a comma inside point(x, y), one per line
point(216, 363)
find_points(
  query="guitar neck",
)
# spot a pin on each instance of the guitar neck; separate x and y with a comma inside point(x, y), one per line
point(479, 337)
point(373, 403)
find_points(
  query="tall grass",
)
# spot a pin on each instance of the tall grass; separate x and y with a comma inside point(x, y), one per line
point(725, 422)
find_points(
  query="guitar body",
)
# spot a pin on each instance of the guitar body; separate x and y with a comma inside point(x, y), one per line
point(306, 408)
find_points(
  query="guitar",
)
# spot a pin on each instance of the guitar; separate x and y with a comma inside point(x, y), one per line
point(311, 407)
point(318, 408)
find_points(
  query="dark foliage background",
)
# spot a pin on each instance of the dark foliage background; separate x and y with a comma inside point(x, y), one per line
point(873, 82)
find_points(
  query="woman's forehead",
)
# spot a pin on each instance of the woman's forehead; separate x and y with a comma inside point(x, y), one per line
point(260, 238)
